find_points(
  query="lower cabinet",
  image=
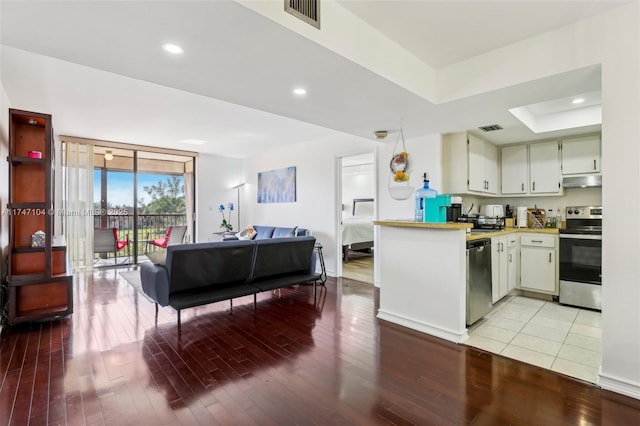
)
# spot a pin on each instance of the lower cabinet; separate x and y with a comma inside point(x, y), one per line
point(538, 269)
point(503, 265)
point(512, 262)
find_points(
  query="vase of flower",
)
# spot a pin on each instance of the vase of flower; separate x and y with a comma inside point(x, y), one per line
point(226, 224)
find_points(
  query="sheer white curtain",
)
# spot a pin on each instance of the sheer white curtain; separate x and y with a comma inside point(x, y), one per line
point(188, 202)
point(78, 204)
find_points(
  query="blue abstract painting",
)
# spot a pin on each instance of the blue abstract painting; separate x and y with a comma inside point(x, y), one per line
point(277, 186)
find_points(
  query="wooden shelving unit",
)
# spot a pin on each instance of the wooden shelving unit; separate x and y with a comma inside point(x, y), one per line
point(39, 285)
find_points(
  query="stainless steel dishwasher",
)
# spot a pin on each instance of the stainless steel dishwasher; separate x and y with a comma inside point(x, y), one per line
point(479, 300)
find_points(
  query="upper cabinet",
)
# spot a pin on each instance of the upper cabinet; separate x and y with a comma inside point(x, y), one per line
point(515, 170)
point(544, 168)
point(470, 165)
point(581, 155)
point(531, 169)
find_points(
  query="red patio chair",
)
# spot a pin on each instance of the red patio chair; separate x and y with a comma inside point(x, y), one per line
point(174, 235)
point(105, 240)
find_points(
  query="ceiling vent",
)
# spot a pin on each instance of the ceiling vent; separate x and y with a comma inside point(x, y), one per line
point(490, 128)
point(306, 10)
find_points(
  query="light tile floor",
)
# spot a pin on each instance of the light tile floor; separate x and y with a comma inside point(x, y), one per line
point(561, 338)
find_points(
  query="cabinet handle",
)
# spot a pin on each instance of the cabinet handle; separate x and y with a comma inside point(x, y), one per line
point(549, 257)
point(594, 164)
point(536, 241)
point(522, 187)
point(510, 258)
point(534, 186)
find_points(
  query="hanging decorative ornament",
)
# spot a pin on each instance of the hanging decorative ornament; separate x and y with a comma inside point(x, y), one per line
point(400, 172)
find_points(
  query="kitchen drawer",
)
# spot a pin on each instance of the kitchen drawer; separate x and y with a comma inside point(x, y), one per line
point(537, 240)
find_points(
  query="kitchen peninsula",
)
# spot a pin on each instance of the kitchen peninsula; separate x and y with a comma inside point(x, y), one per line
point(423, 277)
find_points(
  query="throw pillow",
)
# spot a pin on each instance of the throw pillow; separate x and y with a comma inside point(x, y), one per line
point(157, 257)
point(247, 233)
point(293, 232)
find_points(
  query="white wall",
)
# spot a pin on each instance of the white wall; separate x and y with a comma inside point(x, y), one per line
point(317, 204)
point(621, 198)
point(425, 154)
point(568, 48)
point(215, 176)
point(358, 181)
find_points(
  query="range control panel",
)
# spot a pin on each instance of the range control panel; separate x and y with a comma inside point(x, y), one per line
point(584, 212)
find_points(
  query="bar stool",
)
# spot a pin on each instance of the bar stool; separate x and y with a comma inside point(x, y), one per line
point(323, 272)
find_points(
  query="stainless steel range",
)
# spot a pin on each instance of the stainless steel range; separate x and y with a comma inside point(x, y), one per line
point(581, 257)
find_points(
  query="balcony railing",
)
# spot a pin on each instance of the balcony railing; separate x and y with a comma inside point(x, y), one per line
point(150, 227)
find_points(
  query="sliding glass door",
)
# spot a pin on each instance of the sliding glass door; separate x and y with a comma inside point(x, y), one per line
point(142, 195)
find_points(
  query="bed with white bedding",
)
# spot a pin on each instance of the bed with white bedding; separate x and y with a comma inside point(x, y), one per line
point(357, 229)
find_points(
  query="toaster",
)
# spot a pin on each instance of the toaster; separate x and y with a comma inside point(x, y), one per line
point(492, 210)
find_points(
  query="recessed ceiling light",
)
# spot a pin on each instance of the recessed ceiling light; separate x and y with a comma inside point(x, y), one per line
point(300, 91)
point(173, 48)
point(193, 141)
point(577, 101)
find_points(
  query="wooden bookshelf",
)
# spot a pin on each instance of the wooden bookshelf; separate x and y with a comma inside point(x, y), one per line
point(39, 285)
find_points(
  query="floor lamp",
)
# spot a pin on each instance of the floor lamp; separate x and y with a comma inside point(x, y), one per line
point(237, 187)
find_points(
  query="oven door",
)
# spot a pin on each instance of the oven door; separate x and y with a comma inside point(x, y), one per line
point(581, 258)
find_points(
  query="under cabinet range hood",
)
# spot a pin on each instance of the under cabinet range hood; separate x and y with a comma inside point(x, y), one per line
point(582, 181)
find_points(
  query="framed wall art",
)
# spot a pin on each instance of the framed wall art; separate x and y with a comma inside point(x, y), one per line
point(277, 186)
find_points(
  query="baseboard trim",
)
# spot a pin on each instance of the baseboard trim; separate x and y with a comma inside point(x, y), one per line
point(430, 329)
point(621, 386)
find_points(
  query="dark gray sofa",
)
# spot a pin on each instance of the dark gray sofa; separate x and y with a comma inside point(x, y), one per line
point(199, 274)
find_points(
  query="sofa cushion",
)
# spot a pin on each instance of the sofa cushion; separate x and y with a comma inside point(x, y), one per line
point(157, 257)
point(281, 256)
point(211, 294)
point(248, 233)
point(221, 264)
point(284, 232)
point(263, 232)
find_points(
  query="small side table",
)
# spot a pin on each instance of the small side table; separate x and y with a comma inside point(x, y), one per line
point(221, 235)
point(323, 271)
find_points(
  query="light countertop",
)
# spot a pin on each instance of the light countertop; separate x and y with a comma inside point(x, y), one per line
point(507, 231)
point(464, 226)
point(428, 225)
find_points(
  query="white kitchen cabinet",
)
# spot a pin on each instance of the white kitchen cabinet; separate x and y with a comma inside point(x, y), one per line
point(538, 269)
point(544, 168)
point(515, 169)
point(491, 168)
point(581, 155)
point(503, 265)
point(469, 165)
point(512, 262)
point(498, 268)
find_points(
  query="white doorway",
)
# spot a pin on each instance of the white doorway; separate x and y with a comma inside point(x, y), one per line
point(356, 212)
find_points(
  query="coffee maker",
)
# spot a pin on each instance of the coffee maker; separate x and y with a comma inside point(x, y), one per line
point(454, 211)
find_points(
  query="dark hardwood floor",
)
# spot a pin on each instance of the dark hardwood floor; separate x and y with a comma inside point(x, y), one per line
point(288, 362)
